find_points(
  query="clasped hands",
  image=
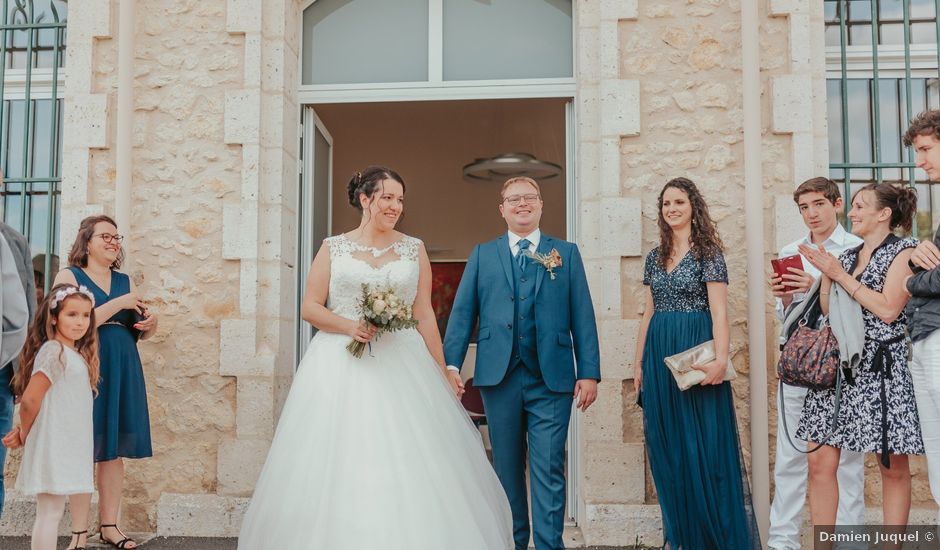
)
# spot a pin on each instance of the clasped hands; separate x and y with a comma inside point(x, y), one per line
point(132, 301)
point(456, 383)
point(824, 261)
point(585, 390)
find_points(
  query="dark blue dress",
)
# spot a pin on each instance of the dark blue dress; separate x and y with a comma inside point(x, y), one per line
point(122, 421)
point(692, 436)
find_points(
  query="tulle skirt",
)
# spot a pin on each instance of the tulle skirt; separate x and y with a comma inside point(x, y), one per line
point(692, 442)
point(374, 453)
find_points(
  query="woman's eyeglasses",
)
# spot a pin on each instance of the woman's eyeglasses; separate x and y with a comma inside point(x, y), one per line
point(109, 238)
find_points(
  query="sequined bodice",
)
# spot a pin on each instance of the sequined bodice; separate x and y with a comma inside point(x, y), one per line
point(352, 264)
point(683, 288)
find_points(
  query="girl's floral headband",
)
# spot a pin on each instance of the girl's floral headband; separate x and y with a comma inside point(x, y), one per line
point(64, 293)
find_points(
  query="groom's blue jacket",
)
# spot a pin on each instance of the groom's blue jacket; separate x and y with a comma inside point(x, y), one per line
point(564, 316)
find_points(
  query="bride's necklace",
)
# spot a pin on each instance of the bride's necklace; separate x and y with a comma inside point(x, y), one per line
point(376, 252)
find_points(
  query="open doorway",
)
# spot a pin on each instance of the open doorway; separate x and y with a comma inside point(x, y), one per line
point(429, 143)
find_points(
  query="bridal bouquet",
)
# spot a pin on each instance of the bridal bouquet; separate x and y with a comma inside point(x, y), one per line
point(383, 309)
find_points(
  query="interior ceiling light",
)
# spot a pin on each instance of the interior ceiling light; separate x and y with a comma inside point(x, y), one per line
point(508, 165)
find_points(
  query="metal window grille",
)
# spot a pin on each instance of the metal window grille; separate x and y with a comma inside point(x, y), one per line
point(32, 56)
point(887, 19)
point(883, 69)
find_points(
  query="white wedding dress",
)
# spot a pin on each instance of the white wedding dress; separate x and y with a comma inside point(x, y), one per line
point(375, 453)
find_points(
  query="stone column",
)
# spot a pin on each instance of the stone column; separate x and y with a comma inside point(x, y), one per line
point(258, 232)
point(612, 478)
point(798, 95)
point(86, 115)
point(667, 103)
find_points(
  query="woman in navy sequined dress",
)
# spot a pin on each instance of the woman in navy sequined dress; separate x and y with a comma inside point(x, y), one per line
point(691, 436)
point(121, 418)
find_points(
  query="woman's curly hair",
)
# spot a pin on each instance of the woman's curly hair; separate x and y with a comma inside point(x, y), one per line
point(706, 243)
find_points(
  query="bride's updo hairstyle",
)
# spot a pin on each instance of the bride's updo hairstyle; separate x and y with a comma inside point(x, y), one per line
point(369, 181)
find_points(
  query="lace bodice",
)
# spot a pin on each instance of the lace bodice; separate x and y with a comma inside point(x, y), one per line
point(352, 264)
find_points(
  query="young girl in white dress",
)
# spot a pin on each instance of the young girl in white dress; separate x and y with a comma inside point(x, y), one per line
point(56, 380)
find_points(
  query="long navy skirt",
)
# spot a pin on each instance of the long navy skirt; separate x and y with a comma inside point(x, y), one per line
point(693, 446)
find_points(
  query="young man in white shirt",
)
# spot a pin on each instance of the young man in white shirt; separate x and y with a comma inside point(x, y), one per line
point(819, 202)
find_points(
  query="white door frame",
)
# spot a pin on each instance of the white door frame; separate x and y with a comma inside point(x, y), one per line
point(437, 89)
point(575, 503)
point(310, 124)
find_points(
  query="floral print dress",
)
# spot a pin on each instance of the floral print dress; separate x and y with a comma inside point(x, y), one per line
point(877, 413)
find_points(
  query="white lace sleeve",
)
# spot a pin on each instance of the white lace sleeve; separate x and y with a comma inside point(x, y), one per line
point(408, 247)
point(339, 246)
point(50, 360)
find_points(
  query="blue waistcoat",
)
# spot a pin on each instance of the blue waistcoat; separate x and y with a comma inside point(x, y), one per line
point(524, 332)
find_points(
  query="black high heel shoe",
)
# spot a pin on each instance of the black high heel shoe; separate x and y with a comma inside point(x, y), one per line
point(78, 535)
point(121, 544)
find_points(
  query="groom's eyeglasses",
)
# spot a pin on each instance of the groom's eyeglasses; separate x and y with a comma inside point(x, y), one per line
point(516, 200)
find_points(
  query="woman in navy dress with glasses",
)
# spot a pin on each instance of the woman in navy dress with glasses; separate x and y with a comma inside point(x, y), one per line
point(121, 418)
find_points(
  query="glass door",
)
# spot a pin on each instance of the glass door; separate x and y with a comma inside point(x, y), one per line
point(313, 209)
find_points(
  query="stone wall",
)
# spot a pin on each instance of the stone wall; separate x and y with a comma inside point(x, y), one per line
point(212, 236)
point(673, 70)
point(184, 174)
point(258, 231)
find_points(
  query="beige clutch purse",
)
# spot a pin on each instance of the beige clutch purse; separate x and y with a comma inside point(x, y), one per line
point(680, 365)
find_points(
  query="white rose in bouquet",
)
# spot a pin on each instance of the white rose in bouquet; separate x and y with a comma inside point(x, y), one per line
point(383, 309)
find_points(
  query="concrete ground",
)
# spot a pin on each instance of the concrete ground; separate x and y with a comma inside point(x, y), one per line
point(179, 543)
point(156, 543)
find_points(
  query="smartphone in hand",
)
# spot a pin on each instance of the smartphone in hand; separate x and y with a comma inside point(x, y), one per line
point(781, 265)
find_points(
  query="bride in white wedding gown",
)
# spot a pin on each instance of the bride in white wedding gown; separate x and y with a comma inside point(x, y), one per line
point(375, 453)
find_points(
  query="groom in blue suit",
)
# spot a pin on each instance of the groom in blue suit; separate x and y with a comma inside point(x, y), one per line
point(531, 297)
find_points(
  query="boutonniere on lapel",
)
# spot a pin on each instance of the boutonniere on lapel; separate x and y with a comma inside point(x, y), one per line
point(549, 261)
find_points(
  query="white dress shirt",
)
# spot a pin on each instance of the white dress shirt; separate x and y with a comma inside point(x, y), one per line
point(534, 238)
point(837, 243)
